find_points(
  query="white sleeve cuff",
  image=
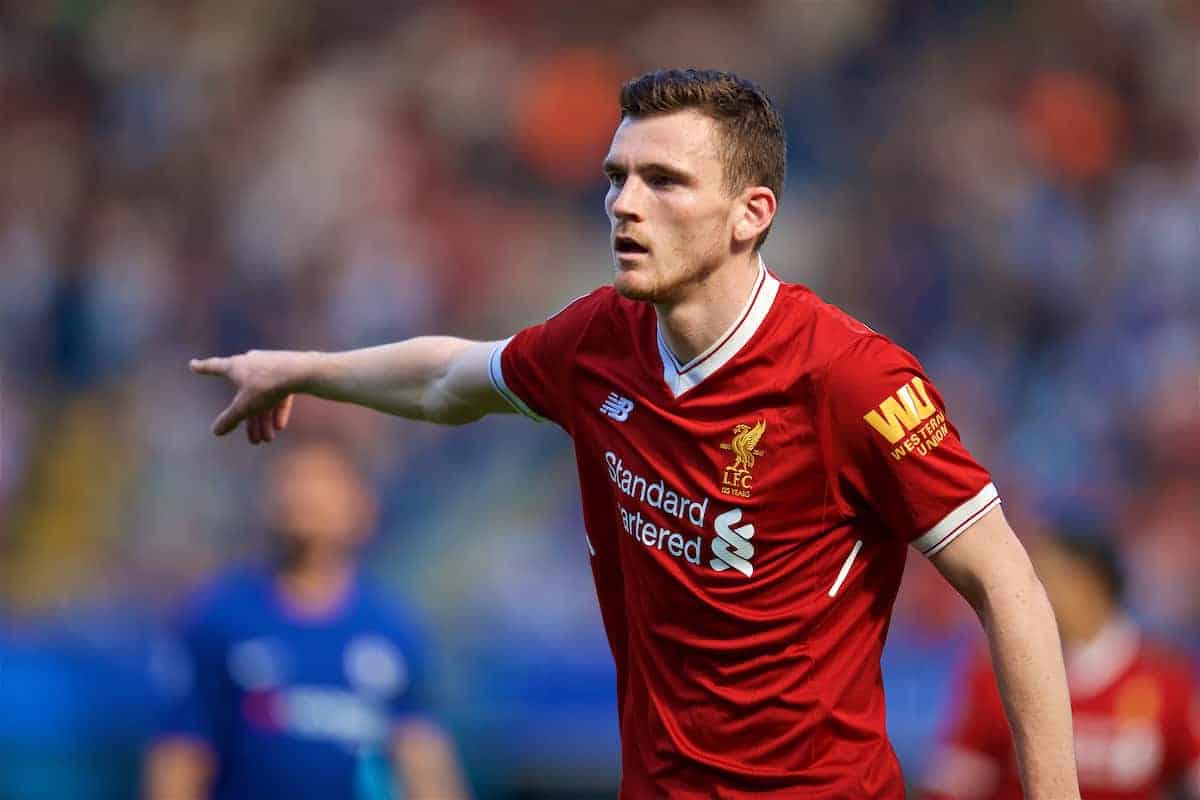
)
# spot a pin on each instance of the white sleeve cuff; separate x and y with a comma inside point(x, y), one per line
point(496, 374)
point(957, 521)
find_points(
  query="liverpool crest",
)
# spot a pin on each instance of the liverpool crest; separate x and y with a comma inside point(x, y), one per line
point(737, 478)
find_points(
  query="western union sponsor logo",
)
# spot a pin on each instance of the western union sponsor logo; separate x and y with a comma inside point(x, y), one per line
point(902, 412)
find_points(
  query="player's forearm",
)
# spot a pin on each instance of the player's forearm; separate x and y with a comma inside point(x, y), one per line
point(427, 765)
point(412, 379)
point(177, 769)
point(1027, 657)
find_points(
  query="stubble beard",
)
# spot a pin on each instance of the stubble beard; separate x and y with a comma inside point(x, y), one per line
point(633, 286)
point(662, 286)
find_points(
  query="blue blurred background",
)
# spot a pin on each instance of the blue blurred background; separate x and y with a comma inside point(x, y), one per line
point(1009, 189)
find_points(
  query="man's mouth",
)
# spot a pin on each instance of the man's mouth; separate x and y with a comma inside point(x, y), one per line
point(627, 245)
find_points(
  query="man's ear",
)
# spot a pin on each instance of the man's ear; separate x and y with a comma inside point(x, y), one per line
point(756, 206)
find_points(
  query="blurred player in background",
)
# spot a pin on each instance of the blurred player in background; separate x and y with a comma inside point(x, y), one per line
point(1135, 705)
point(301, 680)
point(753, 465)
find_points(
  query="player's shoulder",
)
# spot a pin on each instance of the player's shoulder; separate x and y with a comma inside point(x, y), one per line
point(592, 316)
point(808, 307)
point(602, 322)
point(825, 327)
point(836, 344)
point(585, 306)
point(227, 594)
point(374, 598)
point(380, 605)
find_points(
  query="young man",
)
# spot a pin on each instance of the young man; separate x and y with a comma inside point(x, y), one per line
point(753, 464)
point(302, 680)
point(1135, 705)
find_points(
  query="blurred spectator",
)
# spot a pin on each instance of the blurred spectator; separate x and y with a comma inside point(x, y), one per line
point(298, 680)
point(1135, 706)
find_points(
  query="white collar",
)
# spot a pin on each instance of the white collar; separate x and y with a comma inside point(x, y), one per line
point(1094, 665)
point(681, 377)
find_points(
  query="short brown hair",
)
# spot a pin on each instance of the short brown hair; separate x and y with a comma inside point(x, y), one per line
point(755, 149)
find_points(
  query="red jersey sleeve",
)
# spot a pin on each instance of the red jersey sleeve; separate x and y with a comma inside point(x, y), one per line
point(532, 370)
point(976, 744)
point(893, 452)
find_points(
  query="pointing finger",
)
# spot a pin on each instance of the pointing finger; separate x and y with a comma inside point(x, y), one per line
point(209, 366)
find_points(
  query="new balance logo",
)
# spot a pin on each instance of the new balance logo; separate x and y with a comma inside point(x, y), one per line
point(732, 546)
point(617, 407)
point(899, 414)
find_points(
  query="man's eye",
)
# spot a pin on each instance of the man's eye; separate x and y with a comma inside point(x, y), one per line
point(616, 178)
point(661, 180)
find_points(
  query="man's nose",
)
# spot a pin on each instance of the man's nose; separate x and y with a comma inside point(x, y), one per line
point(627, 202)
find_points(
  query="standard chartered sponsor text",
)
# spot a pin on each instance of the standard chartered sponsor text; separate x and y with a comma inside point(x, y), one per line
point(654, 493)
point(651, 535)
point(657, 495)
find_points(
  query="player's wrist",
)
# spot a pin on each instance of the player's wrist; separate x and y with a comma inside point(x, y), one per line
point(309, 372)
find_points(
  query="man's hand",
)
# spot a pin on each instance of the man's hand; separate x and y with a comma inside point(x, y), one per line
point(264, 381)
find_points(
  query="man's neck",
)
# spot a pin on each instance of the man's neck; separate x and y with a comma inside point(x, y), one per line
point(710, 307)
point(317, 586)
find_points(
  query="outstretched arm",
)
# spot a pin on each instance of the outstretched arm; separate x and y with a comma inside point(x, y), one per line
point(433, 378)
point(990, 568)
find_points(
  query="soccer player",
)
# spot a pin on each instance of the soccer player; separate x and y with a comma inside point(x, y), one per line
point(301, 680)
point(753, 464)
point(1135, 706)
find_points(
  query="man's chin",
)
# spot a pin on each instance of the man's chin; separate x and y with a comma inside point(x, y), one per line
point(632, 286)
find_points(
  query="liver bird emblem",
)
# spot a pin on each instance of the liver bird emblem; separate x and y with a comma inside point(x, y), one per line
point(745, 439)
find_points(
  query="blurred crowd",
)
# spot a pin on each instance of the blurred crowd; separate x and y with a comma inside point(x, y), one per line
point(1011, 190)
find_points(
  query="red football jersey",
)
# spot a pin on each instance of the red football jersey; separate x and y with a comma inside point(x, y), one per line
point(747, 516)
point(1136, 733)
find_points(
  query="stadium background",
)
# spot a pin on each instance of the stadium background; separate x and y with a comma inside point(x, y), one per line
point(1009, 189)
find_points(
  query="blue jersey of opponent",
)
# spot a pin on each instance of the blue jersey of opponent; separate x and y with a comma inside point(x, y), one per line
point(294, 706)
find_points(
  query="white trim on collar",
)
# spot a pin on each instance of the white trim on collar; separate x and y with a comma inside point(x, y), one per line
point(682, 377)
point(1093, 666)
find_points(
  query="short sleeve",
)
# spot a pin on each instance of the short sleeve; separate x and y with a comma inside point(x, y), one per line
point(195, 693)
point(532, 370)
point(976, 746)
point(893, 452)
